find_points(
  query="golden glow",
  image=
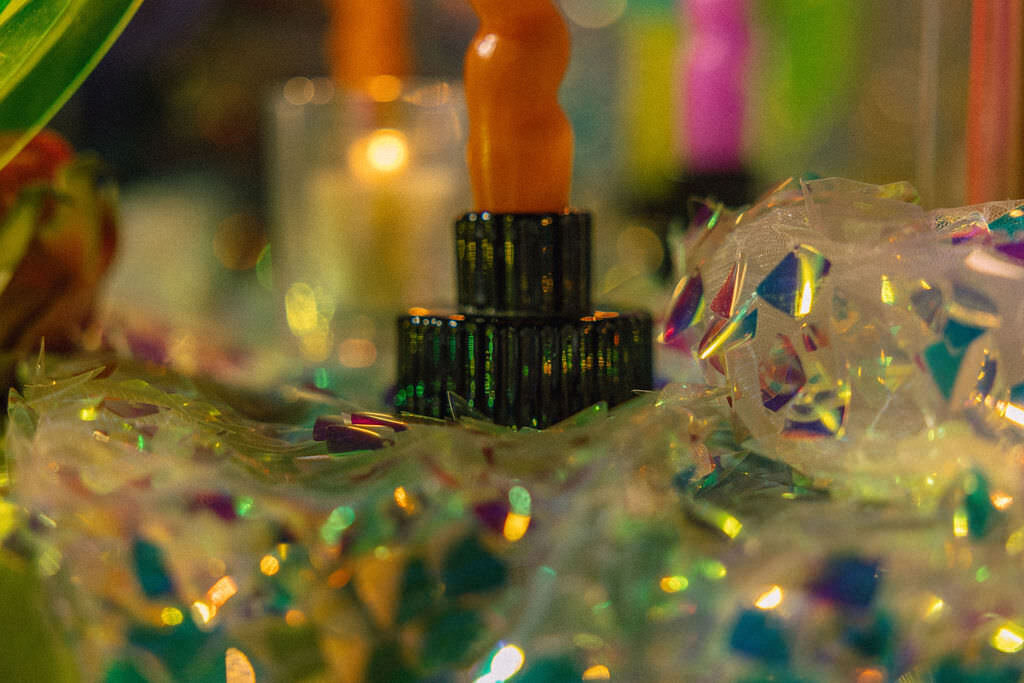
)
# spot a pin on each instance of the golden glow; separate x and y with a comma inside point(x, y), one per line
point(238, 668)
point(770, 599)
point(222, 591)
point(507, 662)
point(888, 294)
point(598, 672)
point(1009, 638)
point(935, 606)
point(294, 617)
point(674, 584)
point(171, 616)
point(383, 151)
point(515, 526)
point(384, 88)
point(269, 565)
point(87, 414)
point(404, 500)
point(203, 612)
point(1001, 500)
point(300, 308)
point(419, 311)
point(960, 523)
point(387, 151)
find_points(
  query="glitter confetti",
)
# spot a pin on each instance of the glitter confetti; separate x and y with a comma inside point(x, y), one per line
point(839, 500)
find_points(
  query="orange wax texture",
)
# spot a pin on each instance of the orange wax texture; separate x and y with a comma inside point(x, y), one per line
point(520, 141)
point(368, 39)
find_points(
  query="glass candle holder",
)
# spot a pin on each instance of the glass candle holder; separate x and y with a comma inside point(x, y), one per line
point(363, 187)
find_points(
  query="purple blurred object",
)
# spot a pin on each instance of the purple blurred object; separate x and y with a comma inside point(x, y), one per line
point(341, 436)
point(711, 102)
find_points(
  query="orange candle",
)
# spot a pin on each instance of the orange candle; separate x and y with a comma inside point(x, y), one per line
point(520, 141)
point(368, 46)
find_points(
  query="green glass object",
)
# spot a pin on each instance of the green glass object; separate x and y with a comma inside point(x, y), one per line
point(1009, 223)
point(981, 514)
point(450, 636)
point(469, 568)
point(49, 46)
point(944, 366)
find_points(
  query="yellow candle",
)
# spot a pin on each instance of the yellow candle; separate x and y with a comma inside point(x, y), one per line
point(520, 141)
point(368, 46)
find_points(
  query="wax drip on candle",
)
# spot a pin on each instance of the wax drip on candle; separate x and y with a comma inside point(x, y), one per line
point(520, 141)
point(367, 46)
point(712, 99)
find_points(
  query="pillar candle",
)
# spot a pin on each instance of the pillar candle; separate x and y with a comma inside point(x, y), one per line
point(369, 39)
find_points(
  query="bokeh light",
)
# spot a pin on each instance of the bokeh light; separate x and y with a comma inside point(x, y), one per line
point(593, 13)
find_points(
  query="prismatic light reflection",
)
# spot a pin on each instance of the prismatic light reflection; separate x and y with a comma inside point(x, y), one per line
point(504, 664)
point(793, 284)
point(770, 599)
point(686, 309)
point(1008, 638)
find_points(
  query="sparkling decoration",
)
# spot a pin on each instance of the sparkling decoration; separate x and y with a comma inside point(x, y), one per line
point(1010, 222)
point(782, 375)
point(839, 501)
point(792, 285)
point(868, 327)
point(686, 309)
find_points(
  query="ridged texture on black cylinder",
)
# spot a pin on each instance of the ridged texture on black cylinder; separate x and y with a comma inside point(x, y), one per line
point(521, 370)
point(524, 263)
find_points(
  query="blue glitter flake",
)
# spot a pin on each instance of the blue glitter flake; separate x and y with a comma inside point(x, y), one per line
point(792, 285)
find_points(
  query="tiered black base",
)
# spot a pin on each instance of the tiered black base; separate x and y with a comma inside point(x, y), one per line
point(521, 370)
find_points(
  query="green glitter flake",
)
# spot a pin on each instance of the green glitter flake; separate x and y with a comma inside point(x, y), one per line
point(340, 519)
point(520, 500)
point(243, 506)
point(141, 443)
point(713, 570)
point(982, 575)
point(321, 380)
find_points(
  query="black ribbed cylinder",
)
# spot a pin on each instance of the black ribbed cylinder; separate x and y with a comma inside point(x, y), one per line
point(524, 263)
point(522, 370)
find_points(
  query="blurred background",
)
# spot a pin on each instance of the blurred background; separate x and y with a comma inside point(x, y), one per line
point(262, 199)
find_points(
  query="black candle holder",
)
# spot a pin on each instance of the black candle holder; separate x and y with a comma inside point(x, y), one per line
point(526, 347)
